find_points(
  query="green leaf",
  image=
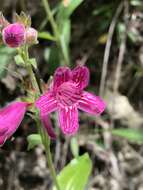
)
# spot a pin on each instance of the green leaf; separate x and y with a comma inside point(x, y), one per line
point(33, 140)
point(75, 175)
point(46, 36)
point(6, 55)
point(19, 60)
point(132, 135)
point(74, 147)
point(63, 18)
point(65, 34)
point(64, 25)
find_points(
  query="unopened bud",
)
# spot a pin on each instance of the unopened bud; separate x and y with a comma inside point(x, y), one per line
point(14, 35)
point(31, 36)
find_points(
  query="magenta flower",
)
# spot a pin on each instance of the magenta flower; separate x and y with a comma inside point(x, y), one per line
point(14, 35)
point(66, 96)
point(10, 119)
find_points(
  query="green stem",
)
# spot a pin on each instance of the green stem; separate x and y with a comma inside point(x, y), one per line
point(43, 134)
point(46, 142)
point(55, 31)
point(33, 79)
point(49, 160)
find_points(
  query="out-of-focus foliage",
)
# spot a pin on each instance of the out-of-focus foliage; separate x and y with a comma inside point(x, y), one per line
point(55, 53)
point(6, 55)
point(132, 135)
point(136, 3)
point(46, 35)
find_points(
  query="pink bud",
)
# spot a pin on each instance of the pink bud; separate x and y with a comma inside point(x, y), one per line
point(14, 35)
point(31, 36)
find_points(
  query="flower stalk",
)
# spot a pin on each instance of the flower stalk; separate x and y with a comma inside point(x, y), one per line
point(46, 143)
point(45, 138)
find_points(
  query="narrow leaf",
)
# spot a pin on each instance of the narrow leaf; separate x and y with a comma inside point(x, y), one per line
point(46, 36)
point(132, 135)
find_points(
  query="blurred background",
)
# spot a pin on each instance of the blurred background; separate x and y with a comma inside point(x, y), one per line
point(106, 36)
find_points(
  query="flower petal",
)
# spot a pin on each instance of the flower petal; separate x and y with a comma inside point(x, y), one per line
point(3, 128)
point(91, 104)
point(10, 119)
point(46, 103)
point(48, 126)
point(80, 75)
point(16, 114)
point(62, 74)
point(68, 118)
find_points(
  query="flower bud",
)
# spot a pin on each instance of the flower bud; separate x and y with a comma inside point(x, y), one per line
point(14, 35)
point(31, 36)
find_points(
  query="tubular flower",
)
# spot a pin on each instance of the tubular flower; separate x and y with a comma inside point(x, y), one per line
point(10, 119)
point(67, 95)
point(14, 35)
